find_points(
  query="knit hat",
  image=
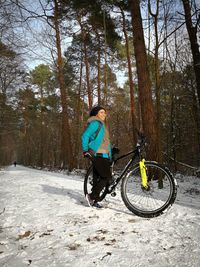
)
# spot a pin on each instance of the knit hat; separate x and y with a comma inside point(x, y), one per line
point(94, 111)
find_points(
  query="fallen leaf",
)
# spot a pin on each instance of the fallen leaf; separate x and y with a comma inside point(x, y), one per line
point(26, 234)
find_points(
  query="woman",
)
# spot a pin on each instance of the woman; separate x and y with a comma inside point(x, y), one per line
point(96, 147)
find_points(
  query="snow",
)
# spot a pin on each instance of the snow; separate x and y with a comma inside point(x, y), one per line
point(45, 221)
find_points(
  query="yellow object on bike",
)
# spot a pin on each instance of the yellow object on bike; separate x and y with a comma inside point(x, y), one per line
point(143, 173)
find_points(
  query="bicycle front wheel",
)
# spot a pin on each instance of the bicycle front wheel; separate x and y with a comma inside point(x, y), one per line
point(156, 198)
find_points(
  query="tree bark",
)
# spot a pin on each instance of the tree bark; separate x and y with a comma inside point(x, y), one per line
point(78, 116)
point(131, 84)
point(105, 100)
point(99, 74)
point(192, 32)
point(157, 77)
point(87, 73)
point(66, 149)
point(87, 69)
point(144, 85)
point(42, 134)
point(98, 66)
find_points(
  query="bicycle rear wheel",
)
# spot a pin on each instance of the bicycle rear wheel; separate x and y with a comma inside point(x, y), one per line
point(158, 197)
point(88, 183)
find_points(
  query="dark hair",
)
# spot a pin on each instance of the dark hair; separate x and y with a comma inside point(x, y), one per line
point(94, 111)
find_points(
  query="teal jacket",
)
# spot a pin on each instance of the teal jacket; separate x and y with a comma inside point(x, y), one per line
point(91, 140)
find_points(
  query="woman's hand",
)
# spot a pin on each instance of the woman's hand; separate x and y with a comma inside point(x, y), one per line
point(88, 154)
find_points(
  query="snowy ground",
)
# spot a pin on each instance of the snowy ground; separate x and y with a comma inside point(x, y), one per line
point(45, 222)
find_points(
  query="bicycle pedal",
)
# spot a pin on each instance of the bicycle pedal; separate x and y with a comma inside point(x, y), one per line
point(113, 194)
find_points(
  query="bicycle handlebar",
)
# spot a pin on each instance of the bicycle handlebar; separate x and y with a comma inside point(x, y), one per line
point(142, 140)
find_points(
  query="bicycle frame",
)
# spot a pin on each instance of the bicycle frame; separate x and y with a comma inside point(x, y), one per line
point(136, 154)
point(141, 183)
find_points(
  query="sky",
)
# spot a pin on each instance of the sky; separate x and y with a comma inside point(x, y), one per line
point(45, 221)
point(39, 46)
point(38, 51)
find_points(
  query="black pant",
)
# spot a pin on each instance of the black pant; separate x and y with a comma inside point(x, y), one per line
point(101, 176)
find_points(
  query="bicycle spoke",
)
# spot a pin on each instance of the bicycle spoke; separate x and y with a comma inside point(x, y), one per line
point(157, 197)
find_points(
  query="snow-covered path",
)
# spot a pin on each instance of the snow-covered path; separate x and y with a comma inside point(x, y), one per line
point(45, 222)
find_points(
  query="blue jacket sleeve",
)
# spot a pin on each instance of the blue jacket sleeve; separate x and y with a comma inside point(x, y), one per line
point(88, 133)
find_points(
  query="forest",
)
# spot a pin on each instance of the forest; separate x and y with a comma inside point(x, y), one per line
point(139, 59)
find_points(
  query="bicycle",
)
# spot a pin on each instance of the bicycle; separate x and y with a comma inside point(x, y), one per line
point(148, 188)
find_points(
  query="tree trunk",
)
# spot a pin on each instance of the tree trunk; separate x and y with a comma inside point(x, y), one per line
point(78, 117)
point(105, 100)
point(157, 77)
point(42, 134)
point(131, 84)
point(87, 73)
point(173, 134)
point(98, 66)
point(99, 74)
point(144, 85)
point(192, 32)
point(87, 69)
point(196, 115)
point(66, 150)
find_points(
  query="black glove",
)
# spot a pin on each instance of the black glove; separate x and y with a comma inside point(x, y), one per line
point(88, 154)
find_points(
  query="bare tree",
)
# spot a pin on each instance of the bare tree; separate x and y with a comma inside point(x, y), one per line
point(53, 21)
point(144, 84)
point(67, 155)
point(131, 83)
point(84, 35)
point(192, 32)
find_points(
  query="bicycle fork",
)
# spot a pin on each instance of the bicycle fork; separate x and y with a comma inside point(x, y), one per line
point(143, 173)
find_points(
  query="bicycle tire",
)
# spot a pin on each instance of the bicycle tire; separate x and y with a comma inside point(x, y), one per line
point(157, 198)
point(87, 185)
